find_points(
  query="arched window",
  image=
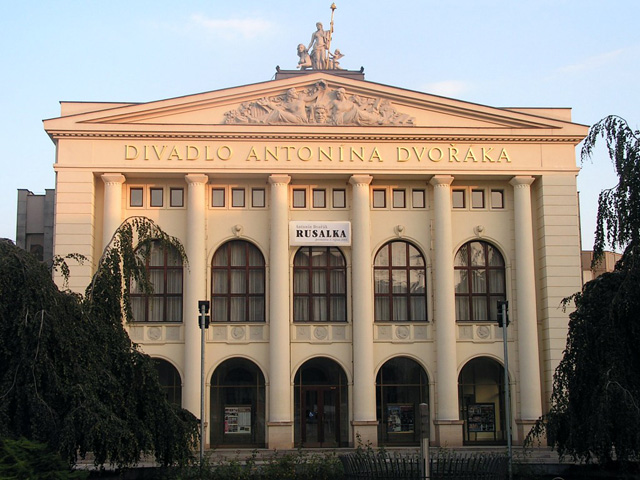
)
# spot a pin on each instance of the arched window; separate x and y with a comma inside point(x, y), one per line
point(400, 283)
point(164, 265)
point(169, 379)
point(237, 283)
point(319, 285)
point(479, 282)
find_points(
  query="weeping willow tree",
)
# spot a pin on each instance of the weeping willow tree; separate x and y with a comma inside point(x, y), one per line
point(595, 404)
point(70, 376)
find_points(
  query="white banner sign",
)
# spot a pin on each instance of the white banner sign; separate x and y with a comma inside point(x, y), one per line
point(331, 234)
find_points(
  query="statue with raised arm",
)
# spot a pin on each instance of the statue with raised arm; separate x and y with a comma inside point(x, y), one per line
point(319, 41)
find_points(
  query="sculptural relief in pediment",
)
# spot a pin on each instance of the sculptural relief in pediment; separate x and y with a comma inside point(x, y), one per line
point(318, 105)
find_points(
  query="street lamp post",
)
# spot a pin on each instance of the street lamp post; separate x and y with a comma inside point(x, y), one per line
point(203, 323)
point(503, 322)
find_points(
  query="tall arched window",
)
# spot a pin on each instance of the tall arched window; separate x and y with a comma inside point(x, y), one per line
point(479, 282)
point(400, 283)
point(319, 285)
point(237, 283)
point(164, 265)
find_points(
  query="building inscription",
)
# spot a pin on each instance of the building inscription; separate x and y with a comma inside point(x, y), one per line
point(420, 153)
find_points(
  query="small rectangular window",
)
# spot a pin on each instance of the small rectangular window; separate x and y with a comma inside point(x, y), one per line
point(237, 197)
point(136, 197)
point(258, 199)
point(477, 198)
point(399, 200)
point(417, 199)
point(379, 198)
point(339, 198)
point(319, 198)
point(457, 199)
point(217, 197)
point(176, 197)
point(299, 198)
point(156, 197)
point(497, 199)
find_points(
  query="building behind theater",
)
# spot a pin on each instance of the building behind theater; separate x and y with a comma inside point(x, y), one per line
point(353, 240)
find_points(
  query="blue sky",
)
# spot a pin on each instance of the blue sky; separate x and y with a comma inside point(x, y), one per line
point(583, 54)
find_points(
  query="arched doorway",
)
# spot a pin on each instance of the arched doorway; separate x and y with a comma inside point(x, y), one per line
point(401, 385)
point(237, 405)
point(481, 397)
point(321, 408)
point(170, 381)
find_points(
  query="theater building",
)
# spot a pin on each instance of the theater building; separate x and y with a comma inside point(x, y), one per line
point(353, 239)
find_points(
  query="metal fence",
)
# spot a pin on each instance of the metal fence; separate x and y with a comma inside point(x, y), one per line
point(444, 466)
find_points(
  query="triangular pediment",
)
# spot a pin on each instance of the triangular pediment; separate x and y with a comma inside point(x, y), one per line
point(310, 102)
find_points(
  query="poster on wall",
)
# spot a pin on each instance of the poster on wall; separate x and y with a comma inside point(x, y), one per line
point(481, 417)
point(400, 418)
point(237, 419)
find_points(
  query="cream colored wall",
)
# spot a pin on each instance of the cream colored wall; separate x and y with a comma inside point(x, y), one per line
point(558, 265)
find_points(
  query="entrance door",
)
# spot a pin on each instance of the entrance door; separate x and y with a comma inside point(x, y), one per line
point(321, 419)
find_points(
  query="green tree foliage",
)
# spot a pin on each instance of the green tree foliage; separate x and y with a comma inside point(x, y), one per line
point(69, 374)
point(595, 404)
point(25, 459)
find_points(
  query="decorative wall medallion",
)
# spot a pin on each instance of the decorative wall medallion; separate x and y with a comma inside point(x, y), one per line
point(321, 333)
point(219, 333)
point(154, 333)
point(466, 332)
point(303, 333)
point(402, 332)
point(421, 332)
point(339, 333)
point(172, 333)
point(483, 332)
point(384, 332)
point(255, 333)
point(237, 333)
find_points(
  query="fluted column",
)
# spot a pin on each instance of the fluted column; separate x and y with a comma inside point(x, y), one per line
point(280, 424)
point(112, 205)
point(364, 395)
point(195, 287)
point(526, 316)
point(447, 421)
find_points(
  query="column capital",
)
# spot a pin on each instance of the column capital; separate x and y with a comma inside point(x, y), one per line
point(113, 178)
point(521, 181)
point(441, 180)
point(360, 179)
point(195, 178)
point(279, 179)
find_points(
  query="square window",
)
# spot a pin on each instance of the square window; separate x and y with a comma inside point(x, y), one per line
point(477, 198)
point(217, 197)
point(237, 197)
point(258, 199)
point(319, 198)
point(176, 197)
point(399, 200)
point(497, 199)
point(457, 199)
point(155, 197)
point(379, 198)
point(418, 199)
point(339, 198)
point(136, 197)
point(299, 198)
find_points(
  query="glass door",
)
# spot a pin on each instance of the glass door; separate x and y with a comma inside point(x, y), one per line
point(320, 419)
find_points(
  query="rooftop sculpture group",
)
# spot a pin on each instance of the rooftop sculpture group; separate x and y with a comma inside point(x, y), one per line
point(318, 56)
point(318, 104)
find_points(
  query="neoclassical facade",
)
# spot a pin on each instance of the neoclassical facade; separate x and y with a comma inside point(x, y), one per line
point(353, 240)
